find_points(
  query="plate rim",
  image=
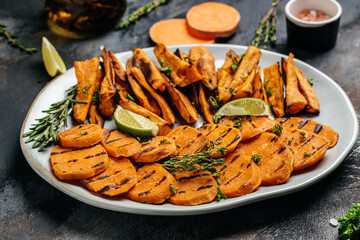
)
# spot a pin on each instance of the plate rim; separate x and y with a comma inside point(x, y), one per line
point(146, 209)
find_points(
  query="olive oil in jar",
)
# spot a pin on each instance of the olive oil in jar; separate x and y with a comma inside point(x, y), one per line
point(82, 18)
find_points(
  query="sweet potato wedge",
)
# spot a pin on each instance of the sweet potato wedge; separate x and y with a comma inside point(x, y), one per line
point(246, 88)
point(222, 136)
point(225, 75)
point(204, 62)
point(84, 135)
point(88, 81)
point(151, 72)
point(73, 163)
point(94, 116)
point(185, 72)
point(204, 105)
point(274, 88)
point(153, 185)
point(154, 150)
point(118, 144)
point(118, 178)
point(259, 90)
point(122, 85)
point(188, 140)
point(238, 176)
point(197, 187)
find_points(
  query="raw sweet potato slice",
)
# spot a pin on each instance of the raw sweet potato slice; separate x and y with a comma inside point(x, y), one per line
point(214, 19)
point(118, 144)
point(188, 140)
point(274, 88)
point(239, 175)
point(271, 155)
point(222, 136)
point(176, 31)
point(204, 105)
point(196, 187)
point(204, 62)
point(259, 90)
point(154, 150)
point(72, 163)
point(306, 147)
point(311, 126)
point(88, 82)
point(225, 75)
point(184, 72)
point(118, 178)
point(153, 185)
point(163, 125)
point(84, 135)
point(151, 72)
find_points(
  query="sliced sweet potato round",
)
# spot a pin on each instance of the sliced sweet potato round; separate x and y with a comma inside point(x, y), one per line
point(214, 19)
point(155, 149)
point(118, 144)
point(118, 178)
point(153, 185)
point(84, 135)
point(72, 163)
point(197, 187)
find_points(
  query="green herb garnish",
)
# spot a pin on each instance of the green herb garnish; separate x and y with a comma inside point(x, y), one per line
point(130, 98)
point(256, 158)
point(173, 188)
point(232, 90)
point(164, 141)
point(84, 133)
point(349, 228)
point(311, 82)
point(277, 129)
point(166, 70)
point(220, 195)
point(12, 39)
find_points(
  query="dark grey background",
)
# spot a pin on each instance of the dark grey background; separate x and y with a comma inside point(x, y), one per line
point(30, 208)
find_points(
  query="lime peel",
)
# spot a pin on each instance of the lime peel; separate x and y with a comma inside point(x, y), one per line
point(54, 64)
point(245, 106)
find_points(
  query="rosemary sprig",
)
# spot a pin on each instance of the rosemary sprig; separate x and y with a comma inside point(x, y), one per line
point(134, 16)
point(13, 41)
point(266, 32)
point(47, 129)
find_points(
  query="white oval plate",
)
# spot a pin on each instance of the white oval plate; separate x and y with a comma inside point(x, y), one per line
point(336, 112)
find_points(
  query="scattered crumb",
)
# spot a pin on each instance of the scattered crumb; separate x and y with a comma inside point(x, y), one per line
point(334, 222)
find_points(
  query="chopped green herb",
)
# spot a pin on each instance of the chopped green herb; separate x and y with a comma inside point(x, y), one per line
point(290, 141)
point(277, 129)
point(146, 143)
point(232, 90)
point(302, 133)
point(95, 98)
point(84, 133)
point(166, 70)
point(210, 80)
point(217, 118)
point(311, 82)
point(178, 145)
point(249, 71)
point(217, 142)
point(214, 103)
point(220, 195)
point(313, 147)
point(173, 188)
point(256, 158)
point(164, 142)
point(238, 124)
point(139, 67)
point(306, 154)
point(129, 97)
point(268, 91)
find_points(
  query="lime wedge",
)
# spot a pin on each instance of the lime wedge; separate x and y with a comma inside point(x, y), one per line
point(53, 63)
point(134, 124)
point(245, 106)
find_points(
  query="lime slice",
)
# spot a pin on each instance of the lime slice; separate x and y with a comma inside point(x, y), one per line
point(134, 124)
point(245, 106)
point(53, 63)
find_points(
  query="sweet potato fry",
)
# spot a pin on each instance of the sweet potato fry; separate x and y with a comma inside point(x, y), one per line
point(166, 111)
point(107, 94)
point(145, 101)
point(154, 150)
point(88, 81)
point(94, 116)
point(185, 72)
point(118, 178)
point(84, 135)
point(246, 88)
point(188, 140)
point(197, 187)
point(308, 92)
point(259, 90)
point(73, 163)
point(204, 105)
point(295, 101)
point(163, 125)
point(118, 144)
point(225, 75)
point(153, 185)
point(274, 89)
point(122, 85)
point(204, 62)
point(238, 176)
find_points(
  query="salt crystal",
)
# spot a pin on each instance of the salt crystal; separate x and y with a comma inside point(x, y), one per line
point(334, 222)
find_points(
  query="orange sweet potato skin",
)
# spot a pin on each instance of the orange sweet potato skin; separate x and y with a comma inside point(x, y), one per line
point(118, 144)
point(84, 135)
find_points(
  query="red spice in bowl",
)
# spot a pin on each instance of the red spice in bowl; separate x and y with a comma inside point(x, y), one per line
point(313, 15)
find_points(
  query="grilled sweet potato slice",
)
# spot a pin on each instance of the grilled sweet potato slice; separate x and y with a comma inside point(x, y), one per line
point(196, 187)
point(239, 175)
point(154, 150)
point(222, 136)
point(204, 62)
point(88, 81)
point(163, 125)
point(84, 135)
point(273, 157)
point(153, 185)
point(188, 140)
point(225, 75)
point(306, 147)
point(204, 105)
point(151, 72)
point(118, 178)
point(118, 144)
point(274, 88)
point(73, 163)
point(185, 72)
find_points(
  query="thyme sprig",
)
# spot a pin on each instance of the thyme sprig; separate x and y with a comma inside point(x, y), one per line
point(134, 16)
point(47, 129)
point(12, 39)
point(266, 32)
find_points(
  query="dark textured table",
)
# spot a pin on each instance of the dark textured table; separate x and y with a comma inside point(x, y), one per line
point(30, 208)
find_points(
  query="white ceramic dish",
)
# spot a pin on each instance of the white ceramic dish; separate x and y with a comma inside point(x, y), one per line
point(336, 111)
